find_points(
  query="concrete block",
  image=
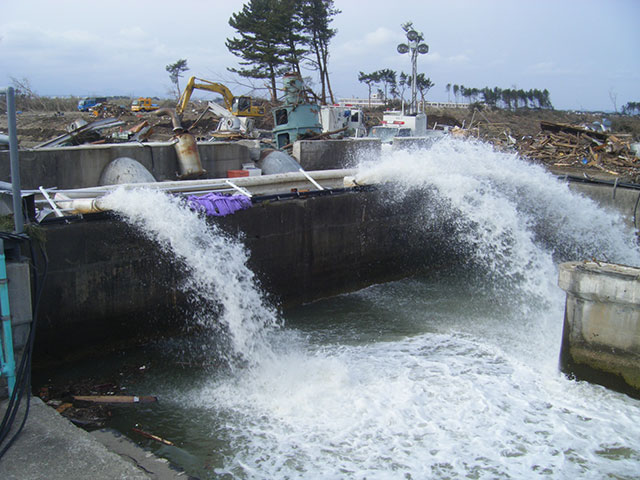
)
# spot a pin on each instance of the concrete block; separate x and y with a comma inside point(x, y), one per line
point(409, 143)
point(332, 154)
point(601, 338)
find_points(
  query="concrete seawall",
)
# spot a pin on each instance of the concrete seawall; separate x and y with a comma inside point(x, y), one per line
point(80, 167)
point(601, 338)
point(107, 283)
point(620, 199)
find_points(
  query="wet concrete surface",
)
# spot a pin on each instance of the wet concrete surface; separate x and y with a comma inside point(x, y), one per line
point(50, 447)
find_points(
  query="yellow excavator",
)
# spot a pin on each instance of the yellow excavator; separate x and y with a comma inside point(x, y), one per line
point(238, 106)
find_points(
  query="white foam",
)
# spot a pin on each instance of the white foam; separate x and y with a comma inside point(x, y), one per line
point(478, 396)
point(218, 276)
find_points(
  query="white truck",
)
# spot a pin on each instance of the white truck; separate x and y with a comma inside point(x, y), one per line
point(396, 124)
point(347, 121)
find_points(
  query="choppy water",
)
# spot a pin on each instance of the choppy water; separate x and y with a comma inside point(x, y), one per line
point(452, 376)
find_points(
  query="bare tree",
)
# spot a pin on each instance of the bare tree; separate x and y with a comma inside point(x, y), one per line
point(614, 99)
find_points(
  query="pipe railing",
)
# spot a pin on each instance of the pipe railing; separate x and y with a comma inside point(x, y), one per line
point(18, 219)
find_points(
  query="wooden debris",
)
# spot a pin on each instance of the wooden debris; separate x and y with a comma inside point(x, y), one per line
point(63, 407)
point(562, 145)
point(151, 436)
point(114, 399)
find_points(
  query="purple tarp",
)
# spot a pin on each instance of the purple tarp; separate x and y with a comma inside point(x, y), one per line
point(218, 205)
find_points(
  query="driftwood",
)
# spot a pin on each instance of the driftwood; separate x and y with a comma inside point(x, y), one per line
point(114, 399)
point(151, 436)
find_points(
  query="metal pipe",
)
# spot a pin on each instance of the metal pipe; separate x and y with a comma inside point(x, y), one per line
point(175, 121)
point(18, 219)
point(308, 177)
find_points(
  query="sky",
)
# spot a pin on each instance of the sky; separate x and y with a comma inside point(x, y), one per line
point(585, 52)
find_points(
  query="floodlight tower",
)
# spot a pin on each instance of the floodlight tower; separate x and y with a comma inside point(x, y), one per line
point(414, 46)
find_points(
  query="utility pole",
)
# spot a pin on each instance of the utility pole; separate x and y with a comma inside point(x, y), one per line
point(414, 46)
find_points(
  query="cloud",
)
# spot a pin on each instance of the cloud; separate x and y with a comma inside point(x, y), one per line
point(458, 59)
point(381, 36)
point(540, 68)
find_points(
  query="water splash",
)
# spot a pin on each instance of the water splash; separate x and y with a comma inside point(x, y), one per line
point(428, 379)
point(512, 218)
point(217, 277)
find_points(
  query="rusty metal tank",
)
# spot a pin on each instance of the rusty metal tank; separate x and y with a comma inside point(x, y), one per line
point(188, 156)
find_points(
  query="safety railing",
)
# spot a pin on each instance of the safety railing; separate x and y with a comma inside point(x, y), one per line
point(7, 361)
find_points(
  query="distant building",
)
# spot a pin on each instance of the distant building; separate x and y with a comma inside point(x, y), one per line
point(378, 101)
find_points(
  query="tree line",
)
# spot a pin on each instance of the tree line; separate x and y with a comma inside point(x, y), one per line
point(630, 108)
point(510, 98)
point(393, 85)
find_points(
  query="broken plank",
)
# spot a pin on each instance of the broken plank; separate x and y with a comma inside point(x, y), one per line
point(151, 436)
point(115, 399)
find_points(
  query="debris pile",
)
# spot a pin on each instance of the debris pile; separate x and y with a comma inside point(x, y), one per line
point(561, 145)
point(91, 404)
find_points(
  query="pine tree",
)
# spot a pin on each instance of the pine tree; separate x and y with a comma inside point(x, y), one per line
point(175, 72)
point(262, 42)
point(316, 17)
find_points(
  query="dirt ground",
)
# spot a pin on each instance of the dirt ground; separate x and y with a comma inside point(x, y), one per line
point(518, 131)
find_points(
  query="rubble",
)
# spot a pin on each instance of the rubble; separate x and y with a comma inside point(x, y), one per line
point(82, 132)
point(563, 146)
point(560, 145)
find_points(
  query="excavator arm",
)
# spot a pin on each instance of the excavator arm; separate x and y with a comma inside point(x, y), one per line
point(206, 85)
point(237, 106)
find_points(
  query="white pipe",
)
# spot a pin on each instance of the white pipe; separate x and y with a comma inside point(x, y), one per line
point(199, 185)
point(90, 200)
point(317, 185)
point(239, 189)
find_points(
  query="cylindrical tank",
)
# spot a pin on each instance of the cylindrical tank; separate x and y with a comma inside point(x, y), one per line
point(188, 156)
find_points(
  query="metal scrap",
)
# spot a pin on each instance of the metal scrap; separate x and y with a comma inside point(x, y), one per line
point(83, 134)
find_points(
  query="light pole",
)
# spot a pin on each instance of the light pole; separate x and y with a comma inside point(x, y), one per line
point(414, 46)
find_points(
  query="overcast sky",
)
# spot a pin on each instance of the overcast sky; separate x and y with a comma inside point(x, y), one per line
point(585, 52)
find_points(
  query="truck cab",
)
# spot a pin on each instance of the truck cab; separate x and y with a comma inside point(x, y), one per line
point(143, 104)
point(86, 103)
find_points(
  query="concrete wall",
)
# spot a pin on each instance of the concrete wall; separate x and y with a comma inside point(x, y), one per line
point(408, 143)
point(332, 154)
point(79, 167)
point(601, 338)
point(623, 200)
point(106, 283)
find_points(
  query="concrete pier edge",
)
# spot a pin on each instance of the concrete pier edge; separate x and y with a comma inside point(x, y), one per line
point(601, 335)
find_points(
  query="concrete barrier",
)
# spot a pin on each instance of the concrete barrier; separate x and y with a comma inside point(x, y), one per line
point(623, 200)
point(409, 143)
point(107, 284)
point(331, 154)
point(81, 166)
point(601, 338)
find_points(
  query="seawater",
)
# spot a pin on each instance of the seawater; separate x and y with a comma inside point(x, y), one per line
point(451, 375)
